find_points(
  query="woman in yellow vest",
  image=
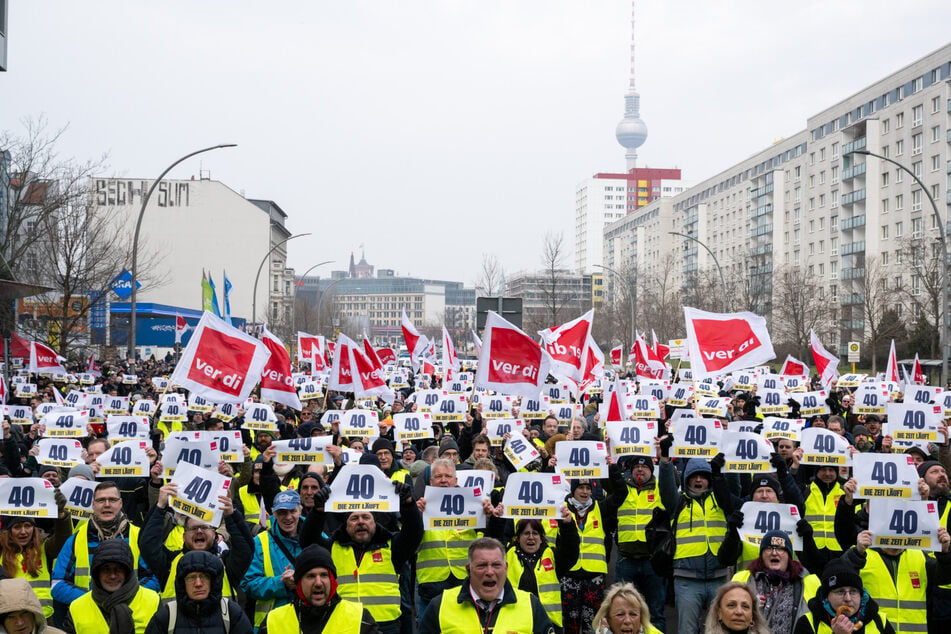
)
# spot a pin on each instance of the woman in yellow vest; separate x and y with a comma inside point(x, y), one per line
point(115, 602)
point(23, 554)
point(317, 607)
point(534, 566)
point(582, 587)
point(842, 605)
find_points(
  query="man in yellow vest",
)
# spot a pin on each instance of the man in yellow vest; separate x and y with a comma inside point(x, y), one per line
point(582, 587)
point(197, 536)
point(317, 607)
point(842, 605)
point(822, 498)
point(486, 602)
point(115, 602)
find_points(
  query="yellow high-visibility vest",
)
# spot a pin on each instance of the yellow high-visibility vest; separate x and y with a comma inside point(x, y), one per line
point(549, 587)
point(345, 619)
point(87, 617)
point(635, 512)
point(463, 618)
point(820, 513)
point(374, 583)
point(904, 599)
point(700, 527)
point(592, 556)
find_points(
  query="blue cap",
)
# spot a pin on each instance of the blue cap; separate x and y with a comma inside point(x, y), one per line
point(286, 500)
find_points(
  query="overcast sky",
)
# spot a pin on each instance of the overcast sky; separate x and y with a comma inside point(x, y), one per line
point(435, 131)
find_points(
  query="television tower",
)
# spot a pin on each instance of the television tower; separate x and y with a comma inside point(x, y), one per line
point(631, 132)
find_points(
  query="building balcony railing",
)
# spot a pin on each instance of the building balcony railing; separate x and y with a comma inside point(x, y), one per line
point(761, 231)
point(853, 197)
point(852, 172)
point(851, 299)
point(761, 211)
point(762, 249)
point(853, 273)
point(761, 191)
point(853, 247)
point(857, 144)
point(853, 222)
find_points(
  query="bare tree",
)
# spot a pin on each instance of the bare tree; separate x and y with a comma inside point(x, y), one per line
point(553, 257)
point(877, 299)
point(489, 282)
point(923, 295)
point(659, 304)
point(803, 309)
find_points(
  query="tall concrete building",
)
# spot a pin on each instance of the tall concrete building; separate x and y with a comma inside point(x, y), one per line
point(852, 224)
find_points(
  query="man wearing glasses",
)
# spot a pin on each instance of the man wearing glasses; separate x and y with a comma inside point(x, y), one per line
point(842, 605)
point(71, 577)
point(197, 536)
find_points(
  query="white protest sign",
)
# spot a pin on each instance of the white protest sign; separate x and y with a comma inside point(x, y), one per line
point(129, 379)
point(86, 379)
point(144, 407)
point(230, 444)
point(870, 398)
point(360, 423)
point(823, 447)
point(116, 405)
point(260, 417)
point(94, 406)
point(914, 421)
point(20, 414)
point(653, 387)
point(745, 452)
point(347, 455)
point(412, 426)
point(885, 476)
point(712, 406)
point(796, 383)
point(581, 459)
point(685, 374)
point(225, 411)
point(744, 381)
point(198, 492)
point(121, 428)
point(160, 383)
point(696, 438)
point(302, 450)
point(181, 449)
point(680, 394)
point(558, 394)
point(198, 403)
point(566, 412)
point(707, 387)
point(813, 404)
point(76, 399)
point(453, 508)
point(27, 497)
point(173, 411)
point(330, 417)
point(534, 495)
point(309, 390)
point(773, 401)
point(24, 390)
point(923, 394)
point(778, 428)
point(946, 403)
point(427, 399)
point(43, 409)
point(519, 451)
point(78, 493)
point(126, 459)
point(851, 380)
point(631, 437)
point(362, 487)
point(496, 407)
point(911, 524)
point(770, 382)
point(496, 429)
point(66, 424)
point(761, 517)
point(743, 425)
point(480, 479)
point(60, 452)
point(450, 407)
point(644, 406)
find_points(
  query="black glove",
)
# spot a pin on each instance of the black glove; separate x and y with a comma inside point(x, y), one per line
point(735, 520)
point(804, 528)
point(665, 444)
point(779, 464)
point(321, 496)
point(60, 500)
point(403, 490)
point(716, 465)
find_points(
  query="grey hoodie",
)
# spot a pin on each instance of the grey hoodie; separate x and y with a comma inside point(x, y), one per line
point(15, 595)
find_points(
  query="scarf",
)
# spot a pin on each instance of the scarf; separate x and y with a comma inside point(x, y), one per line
point(528, 582)
point(581, 507)
point(115, 605)
point(109, 530)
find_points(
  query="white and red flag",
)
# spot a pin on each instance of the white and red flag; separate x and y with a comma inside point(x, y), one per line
point(341, 372)
point(308, 346)
point(180, 327)
point(476, 342)
point(370, 352)
point(91, 366)
point(917, 374)
point(415, 342)
point(724, 342)
point(793, 367)
point(386, 355)
point(330, 350)
point(3, 390)
point(593, 364)
point(662, 350)
point(566, 345)
point(511, 362)
point(45, 359)
point(646, 362)
point(616, 354)
point(827, 364)
point(891, 370)
point(220, 363)
point(450, 362)
point(615, 409)
point(277, 383)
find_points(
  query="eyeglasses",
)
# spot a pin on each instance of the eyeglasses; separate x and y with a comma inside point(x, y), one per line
point(842, 592)
point(775, 549)
point(192, 529)
point(192, 577)
point(107, 500)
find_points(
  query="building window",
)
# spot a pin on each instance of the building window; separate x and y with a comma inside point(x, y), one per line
point(916, 114)
point(884, 258)
point(899, 147)
point(822, 200)
point(899, 119)
point(884, 179)
point(822, 177)
point(834, 223)
point(835, 151)
point(916, 144)
point(899, 202)
point(884, 232)
point(917, 84)
point(916, 223)
point(916, 206)
point(884, 206)
point(936, 134)
point(935, 104)
point(899, 175)
point(835, 174)
point(822, 154)
point(899, 229)
point(822, 220)
point(934, 194)
point(822, 246)
point(886, 124)
point(834, 245)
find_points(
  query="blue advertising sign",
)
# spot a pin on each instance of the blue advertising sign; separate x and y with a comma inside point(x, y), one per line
point(122, 285)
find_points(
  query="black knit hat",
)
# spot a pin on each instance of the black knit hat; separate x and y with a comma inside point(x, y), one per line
point(313, 556)
point(761, 481)
point(776, 538)
point(925, 466)
point(383, 443)
point(839, 574)
point(112, 551)
point(578, 482)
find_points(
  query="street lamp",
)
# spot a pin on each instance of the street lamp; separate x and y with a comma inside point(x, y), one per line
point(320, 300)
point(135, 239)
point(254, 298)
point(302, 283)
point(715, 261)
point(632, 295)
point(944, 255)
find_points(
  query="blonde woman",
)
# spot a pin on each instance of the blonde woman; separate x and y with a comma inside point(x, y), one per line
point(623, 610)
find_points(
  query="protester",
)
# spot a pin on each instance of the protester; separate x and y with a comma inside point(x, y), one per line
point(623, 611)
point(735, 610)
point(20, 609)
point(842, 605)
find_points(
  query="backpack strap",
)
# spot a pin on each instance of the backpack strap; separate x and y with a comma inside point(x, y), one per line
point(226, 614)
point(172, 615)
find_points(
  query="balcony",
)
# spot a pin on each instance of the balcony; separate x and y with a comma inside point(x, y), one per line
point(766, 269)
point(852, 172)
point(853, 197)
point(857, 144)
point(761, 211)
point(762, 250)
point(853, 247)
point(851, 299)
point(853, 273)
point(853, 222)
point(761, 231)
point(854, 324)
point(761, 191)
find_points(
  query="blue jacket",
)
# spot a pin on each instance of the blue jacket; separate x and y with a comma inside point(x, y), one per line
point(260, 586)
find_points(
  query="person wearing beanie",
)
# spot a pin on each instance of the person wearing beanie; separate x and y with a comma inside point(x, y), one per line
point(20, 609)
point(449, 448)
point(115, 602)
point(822, 496)
point(863, 440)
point(83, 471)
point(308, 486)
point(843, 605)
point(582, 587)
point(385, 452)
point(699, 522)
point(196, 536)
point(782, 583)
point(197, 605)
point(317, 607)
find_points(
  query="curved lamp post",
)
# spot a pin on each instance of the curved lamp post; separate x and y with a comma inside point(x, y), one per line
point(942, 230)
point(320, 300)
point(135, 239)
point(632, 295)
point(302, 282)
point(254, 297)
point(715, 261)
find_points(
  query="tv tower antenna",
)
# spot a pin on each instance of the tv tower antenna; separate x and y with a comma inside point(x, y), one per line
point(631, 132)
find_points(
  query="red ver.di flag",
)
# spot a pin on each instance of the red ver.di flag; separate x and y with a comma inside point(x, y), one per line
point(725, 342)
point(277, 384)
point(220, 363)
point(566, 345)
point(510, 362)
point(44, 359)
